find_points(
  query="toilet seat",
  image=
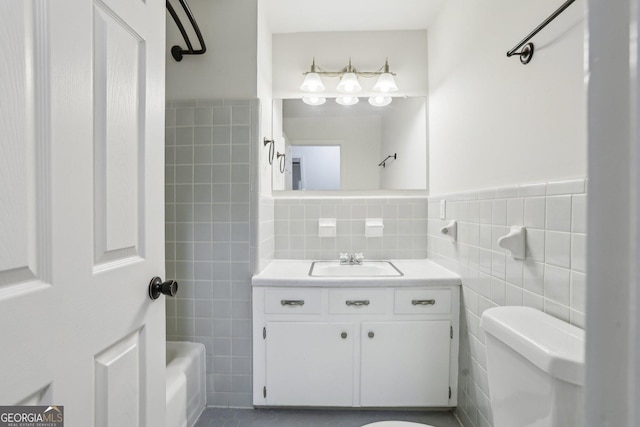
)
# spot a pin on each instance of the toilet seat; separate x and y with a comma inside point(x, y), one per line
point(395, 424)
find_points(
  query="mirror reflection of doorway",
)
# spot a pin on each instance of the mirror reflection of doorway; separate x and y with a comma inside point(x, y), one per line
point(296, 173)
point(315, 167)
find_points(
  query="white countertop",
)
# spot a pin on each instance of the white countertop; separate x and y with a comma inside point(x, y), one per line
point(416, 272)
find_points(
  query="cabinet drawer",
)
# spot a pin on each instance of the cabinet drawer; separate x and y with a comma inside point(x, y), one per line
point(357, 301)
point(293, 301)
point(422, 301)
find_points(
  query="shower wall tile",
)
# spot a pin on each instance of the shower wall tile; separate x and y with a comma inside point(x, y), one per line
point(208, 236)
point(551, 278)
point(404, 234)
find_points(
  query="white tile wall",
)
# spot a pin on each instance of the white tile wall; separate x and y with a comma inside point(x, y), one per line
point(210, 218)
point(551, 278)
point(404, 233)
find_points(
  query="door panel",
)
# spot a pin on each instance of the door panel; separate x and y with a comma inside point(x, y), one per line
point(405, 363)
point(309, 363)
point(81, 208)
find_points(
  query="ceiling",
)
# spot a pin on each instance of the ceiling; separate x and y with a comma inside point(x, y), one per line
point(293, 16)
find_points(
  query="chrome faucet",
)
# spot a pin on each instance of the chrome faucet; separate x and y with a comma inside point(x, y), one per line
point(351, 259)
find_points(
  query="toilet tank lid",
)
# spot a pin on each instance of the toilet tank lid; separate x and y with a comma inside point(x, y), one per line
point(552, 345)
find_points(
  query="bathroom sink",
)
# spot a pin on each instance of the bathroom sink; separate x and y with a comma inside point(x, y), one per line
point(365, 269)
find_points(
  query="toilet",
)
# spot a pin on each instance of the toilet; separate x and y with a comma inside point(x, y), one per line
point(535, 367)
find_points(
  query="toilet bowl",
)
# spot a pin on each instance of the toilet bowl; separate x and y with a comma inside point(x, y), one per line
point(395, 424)
point(535, 367)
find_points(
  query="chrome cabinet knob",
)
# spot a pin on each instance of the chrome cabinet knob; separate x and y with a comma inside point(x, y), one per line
point(157, 287)
point(343, 335)
point(371, 334)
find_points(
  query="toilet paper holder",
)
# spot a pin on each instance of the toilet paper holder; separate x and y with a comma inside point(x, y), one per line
point(451, 230)
point(515, 242)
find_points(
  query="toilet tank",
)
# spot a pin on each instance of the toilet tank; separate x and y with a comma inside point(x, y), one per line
point(535, 366)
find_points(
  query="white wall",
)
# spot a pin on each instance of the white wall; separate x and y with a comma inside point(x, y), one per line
point(360, 140)
point(404, 132)
point(406, 50)
point(228, 68)
point(492, 120)
point(264, 74)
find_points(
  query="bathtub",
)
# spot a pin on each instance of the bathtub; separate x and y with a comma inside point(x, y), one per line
point(186, 392)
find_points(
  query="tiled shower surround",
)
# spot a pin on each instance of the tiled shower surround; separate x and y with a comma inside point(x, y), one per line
point(551, 278)
point(405, 227)
point(210, 217)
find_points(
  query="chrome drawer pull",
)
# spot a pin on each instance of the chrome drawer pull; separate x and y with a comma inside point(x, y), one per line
point(292, 302)
point(357, 303)
point(423, 302)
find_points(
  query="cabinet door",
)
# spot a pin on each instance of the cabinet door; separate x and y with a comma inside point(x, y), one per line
point(309, 364)
point(405, 363)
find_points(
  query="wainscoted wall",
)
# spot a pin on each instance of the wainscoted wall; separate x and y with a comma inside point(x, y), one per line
point(210, 220)
point(405, 227)
point(551, 278)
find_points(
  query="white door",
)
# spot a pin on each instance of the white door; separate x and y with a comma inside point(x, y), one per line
point(81, 208)
point(405, 363)
point(309, 363)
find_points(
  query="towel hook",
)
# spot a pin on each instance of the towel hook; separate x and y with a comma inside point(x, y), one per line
point(282, 158)
point(271, 143)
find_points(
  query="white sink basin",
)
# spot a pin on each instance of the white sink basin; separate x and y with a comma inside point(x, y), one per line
point(365, 269)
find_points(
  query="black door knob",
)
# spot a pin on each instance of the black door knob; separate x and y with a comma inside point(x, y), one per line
point(157, 287)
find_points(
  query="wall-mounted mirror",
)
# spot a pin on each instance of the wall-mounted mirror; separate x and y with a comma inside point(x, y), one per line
point(337, 147)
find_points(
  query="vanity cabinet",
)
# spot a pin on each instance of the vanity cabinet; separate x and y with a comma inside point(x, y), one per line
point(362, 347)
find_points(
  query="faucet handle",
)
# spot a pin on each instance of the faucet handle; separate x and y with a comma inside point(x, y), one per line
point(344, 257)
point(358, 257)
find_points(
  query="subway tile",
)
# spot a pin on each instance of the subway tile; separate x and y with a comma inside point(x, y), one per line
point(535, 212)
point(579, 252)
point(578, 291)
point(579, 213)
point(566, 187)
point(556, 310)
point(531, 190)
point(557, 285)
point(222, 116)
point(499, 212)
point(184, 117)
point(203, 116)
point(485, 212)
point(535, 245)
point(558, 249)
point(533, 277)
point(514, 271)
point(533, 300)
point(203, 135)
point(220, 155)
point(559, 213)
point(202, 212)
point(515, 211)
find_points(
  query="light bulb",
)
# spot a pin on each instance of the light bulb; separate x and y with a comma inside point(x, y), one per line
point(380, 100)
point(349, 84)
point(312, 83)
point(314, 100)
point(347, 100)
point(385, 83)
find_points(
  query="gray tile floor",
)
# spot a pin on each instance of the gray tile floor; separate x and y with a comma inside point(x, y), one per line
point(220, 417)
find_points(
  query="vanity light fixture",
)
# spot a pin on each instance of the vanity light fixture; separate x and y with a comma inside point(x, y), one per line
point(349, 84)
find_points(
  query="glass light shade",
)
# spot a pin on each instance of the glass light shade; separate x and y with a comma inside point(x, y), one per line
point(386, 83)
point(314, 100)
point(347, 100)
point(349, 84)
point(312, 83)
point(380, 101)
